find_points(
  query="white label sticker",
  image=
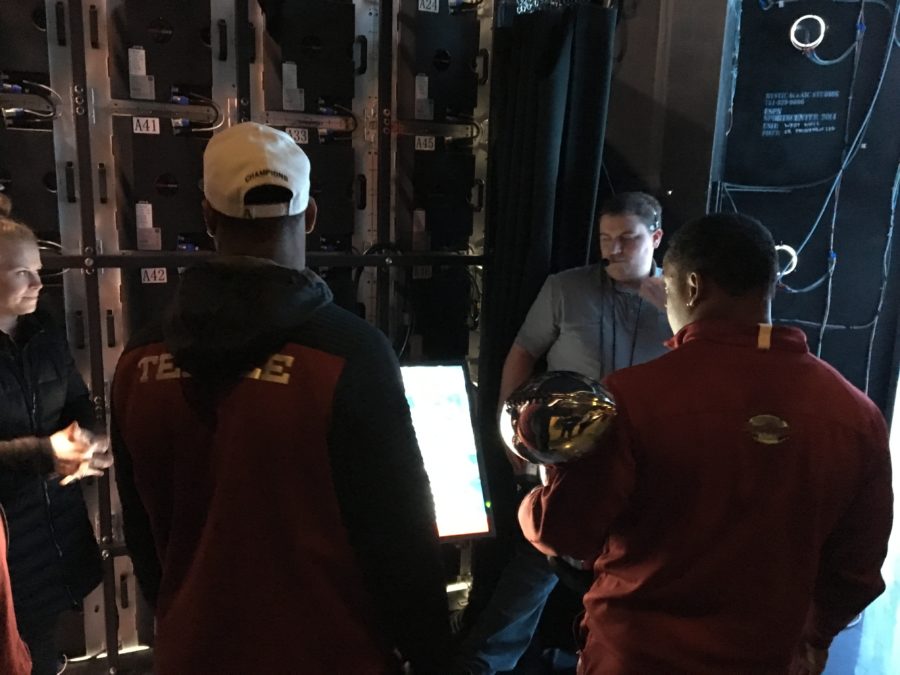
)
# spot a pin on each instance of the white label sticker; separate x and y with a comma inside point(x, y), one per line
point(433, 6)
point(425, 143)
point(421, 86)
point(137, 61)
point(424, 109)
point(299, 135)
point(145, 125)
point(154, 275)
point(293, 99)
point(289, 75)
point(144, 214)
point(142, 87)
point(149, 239)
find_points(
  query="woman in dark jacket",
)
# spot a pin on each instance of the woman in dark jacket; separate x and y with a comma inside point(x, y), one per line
point(54, 561)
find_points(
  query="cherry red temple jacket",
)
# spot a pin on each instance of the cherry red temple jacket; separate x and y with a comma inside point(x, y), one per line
point(276, 505)
point(742, 503)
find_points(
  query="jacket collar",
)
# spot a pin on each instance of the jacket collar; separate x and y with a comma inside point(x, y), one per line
point(761, 336)
point(27, 327)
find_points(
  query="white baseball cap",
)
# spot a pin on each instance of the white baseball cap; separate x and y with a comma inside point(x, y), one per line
point(250, 155)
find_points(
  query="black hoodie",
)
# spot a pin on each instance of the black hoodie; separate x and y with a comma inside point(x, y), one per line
point(275, 501)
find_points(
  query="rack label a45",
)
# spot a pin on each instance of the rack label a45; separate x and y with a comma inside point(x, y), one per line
point(425, 143)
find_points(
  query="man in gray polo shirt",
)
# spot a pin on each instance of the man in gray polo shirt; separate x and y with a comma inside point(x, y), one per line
point(591, 320)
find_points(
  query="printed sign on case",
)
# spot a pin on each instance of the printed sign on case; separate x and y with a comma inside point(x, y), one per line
point(790, 113)
point(299, 135)
point(425, 143)
point(145, 125)
point(154, 275)
point(433, 6)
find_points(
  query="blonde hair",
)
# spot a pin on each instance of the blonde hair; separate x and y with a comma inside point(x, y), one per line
point(11, 230)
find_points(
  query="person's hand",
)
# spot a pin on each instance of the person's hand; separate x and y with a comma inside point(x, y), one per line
point(653, 290)
point(76, 453)
point(808, 660)
point(71, 448)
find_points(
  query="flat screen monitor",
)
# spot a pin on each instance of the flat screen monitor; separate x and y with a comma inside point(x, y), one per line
point(439, 401)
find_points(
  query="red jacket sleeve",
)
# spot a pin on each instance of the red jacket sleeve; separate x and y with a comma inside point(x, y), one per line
point(850, 569)
point(572, 514)
point(14, 657)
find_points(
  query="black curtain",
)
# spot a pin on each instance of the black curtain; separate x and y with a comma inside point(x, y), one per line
point(551, 78)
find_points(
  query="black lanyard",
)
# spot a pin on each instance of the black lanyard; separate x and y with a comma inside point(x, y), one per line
point(634, 332)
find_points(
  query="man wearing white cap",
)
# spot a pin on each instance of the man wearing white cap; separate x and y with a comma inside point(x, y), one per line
point(276, 506)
